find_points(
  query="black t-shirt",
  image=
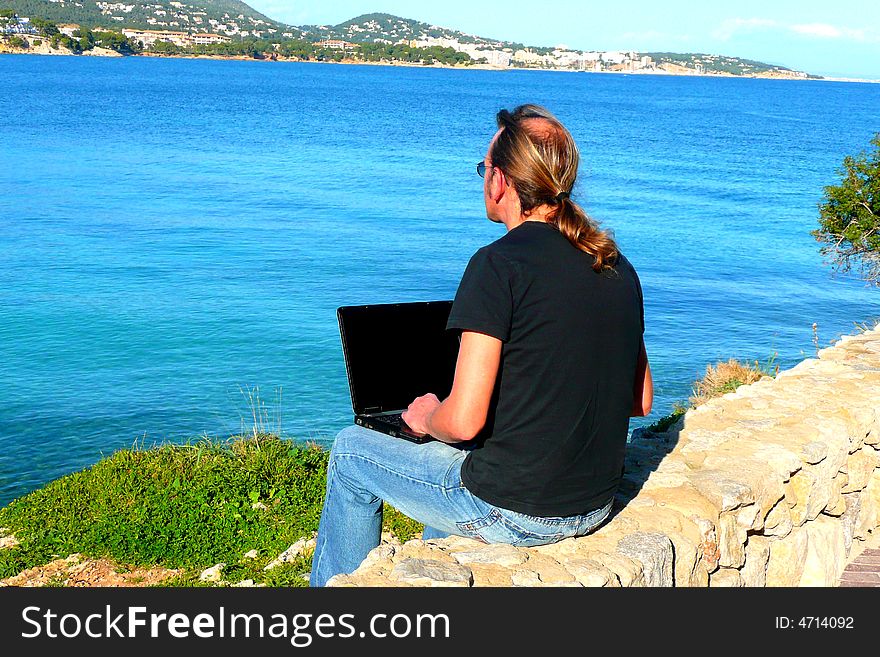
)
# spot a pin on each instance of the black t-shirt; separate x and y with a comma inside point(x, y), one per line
point(555, 437)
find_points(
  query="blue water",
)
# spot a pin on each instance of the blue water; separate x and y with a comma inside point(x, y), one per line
point(175, 233)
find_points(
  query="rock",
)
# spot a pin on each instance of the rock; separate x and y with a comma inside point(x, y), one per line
point(641, 434)
point(814, 452)
point(785, 566)
point(380, 553)
point(212, 574)
point(259, 506)
point(502, 555)
point(8, 542)
point(836, 505)
point(591, 573)
point(708, 550)
point(725, 578)
point(725, 493)
point(778, 522)
point(426, 572)
point(849, 518)
point(244, 584)
point(859, 468)
point(810, 492)
point(252, 554)
point(731, 541)
point(526, 578)
point(552, 572)
point(654, 552)
point(301, 547)
point(869, 513)
point(826, 553)
point(754, 572)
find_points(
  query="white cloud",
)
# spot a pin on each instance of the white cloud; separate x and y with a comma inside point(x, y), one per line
point(825, 31)
point(732, 26)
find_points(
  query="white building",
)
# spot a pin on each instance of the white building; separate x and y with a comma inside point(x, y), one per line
point(205, 39)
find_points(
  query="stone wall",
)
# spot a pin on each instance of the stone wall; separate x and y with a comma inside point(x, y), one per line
point(776, 484)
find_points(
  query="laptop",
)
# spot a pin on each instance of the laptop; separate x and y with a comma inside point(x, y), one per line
point(394, 353)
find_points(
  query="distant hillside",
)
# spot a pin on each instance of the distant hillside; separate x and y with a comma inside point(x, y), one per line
point(223, 16)
point(238, 20)
point(385, 28)
point(717, 63)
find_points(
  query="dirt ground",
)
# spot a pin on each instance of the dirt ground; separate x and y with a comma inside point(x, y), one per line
point(77, 571)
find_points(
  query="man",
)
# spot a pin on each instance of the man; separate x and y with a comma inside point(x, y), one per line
point(530, 441)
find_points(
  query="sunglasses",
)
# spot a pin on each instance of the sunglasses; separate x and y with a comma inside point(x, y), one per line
point(481, 169)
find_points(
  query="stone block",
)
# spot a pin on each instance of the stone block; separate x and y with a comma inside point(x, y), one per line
point(811, 493)
point(591, 573)
point(785, 566)
point(836, 504)
point(726, 578)
point(849, 518)
point(654, 551)
point(502, 555)
point(429, 572)
point(826, 553)
point(731, 541)
point(869, 513)
point(778, 522)
point(754, 571)
point(721, 490)
point(859, 468)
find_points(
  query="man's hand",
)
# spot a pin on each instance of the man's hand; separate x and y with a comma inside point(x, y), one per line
point(416, 415)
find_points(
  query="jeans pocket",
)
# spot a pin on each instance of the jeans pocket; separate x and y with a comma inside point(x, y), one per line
point(523, 532)
point(477, 529)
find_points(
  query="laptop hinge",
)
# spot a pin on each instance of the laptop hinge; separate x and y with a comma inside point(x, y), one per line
point(372, 409)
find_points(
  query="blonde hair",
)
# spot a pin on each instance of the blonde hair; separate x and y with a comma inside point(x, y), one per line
point(540, 158)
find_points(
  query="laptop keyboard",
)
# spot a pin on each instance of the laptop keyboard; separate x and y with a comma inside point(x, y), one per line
point(396, 420)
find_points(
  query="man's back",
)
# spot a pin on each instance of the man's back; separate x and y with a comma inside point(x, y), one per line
point(556, 435)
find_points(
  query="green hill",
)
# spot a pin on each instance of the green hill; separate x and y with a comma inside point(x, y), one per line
point(385, 28)
point(221, 16)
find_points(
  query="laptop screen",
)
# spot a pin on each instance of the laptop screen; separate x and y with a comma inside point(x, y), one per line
point(397, 352)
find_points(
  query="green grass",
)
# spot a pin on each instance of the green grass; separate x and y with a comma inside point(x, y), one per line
point(182, 506)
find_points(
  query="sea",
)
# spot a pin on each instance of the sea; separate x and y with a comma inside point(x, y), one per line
point(176, 235)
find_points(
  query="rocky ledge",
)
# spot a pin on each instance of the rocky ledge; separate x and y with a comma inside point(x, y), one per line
point(776, 484)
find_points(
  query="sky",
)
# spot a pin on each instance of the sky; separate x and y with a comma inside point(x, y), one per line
point(840, 39)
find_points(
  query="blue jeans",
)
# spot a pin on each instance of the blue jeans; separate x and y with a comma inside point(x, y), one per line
point(424, 482)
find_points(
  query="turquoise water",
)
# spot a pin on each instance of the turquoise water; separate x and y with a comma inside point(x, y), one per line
point(176, 232)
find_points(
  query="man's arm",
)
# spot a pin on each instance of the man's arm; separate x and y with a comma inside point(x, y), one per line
point(643, 392)
point(462, 415)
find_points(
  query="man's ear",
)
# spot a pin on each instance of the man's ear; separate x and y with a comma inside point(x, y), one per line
point(497, 185)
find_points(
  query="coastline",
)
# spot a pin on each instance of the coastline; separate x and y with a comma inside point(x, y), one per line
point(46, 50)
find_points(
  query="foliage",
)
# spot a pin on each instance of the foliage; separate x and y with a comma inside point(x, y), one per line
point(116, 41)
point(181, 506)
point(88, 14)
point(849, 215)
point(666, 422)
point(722, 378)
point(718, 380)
point(378, 52)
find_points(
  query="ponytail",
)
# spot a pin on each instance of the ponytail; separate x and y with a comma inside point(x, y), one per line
point(540, 158)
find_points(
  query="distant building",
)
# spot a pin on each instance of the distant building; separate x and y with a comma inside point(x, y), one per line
point(205, 39)
point(148, 37)
point(18, 25)
point(67, 29)
point(335, 44)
